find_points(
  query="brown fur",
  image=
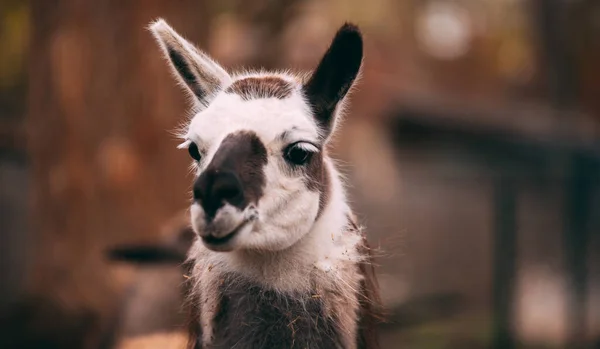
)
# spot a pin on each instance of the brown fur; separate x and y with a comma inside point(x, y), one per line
point(336, 301)
point(192, 306)
point(371, 309)
point(255, 88)
point(252, 316)
point(318, 179)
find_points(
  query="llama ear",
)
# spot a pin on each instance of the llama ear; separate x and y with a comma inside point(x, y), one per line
point(202, 76)
point(334, 75)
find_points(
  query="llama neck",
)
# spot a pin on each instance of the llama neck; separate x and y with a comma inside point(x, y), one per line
point(284, 284)
point(325, 247)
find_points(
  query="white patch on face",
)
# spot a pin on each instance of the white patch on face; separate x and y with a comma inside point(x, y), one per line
point(287, 209)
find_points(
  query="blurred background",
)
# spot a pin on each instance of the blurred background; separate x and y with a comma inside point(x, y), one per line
point(472, 146)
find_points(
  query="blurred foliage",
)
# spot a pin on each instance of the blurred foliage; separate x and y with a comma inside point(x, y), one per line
point(14, 36)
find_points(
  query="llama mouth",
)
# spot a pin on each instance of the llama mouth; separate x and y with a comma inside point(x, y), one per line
point(220, 241)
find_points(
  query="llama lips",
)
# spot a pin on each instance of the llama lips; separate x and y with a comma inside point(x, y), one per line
point(212, 241)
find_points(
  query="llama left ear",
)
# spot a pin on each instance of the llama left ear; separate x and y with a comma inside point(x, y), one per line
point(334, 75)
point(200, 75)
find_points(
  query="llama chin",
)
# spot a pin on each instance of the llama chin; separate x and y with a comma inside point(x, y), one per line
point(279, 261)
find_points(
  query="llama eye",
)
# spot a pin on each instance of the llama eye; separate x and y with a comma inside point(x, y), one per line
point(297, 155)
point(194, 152)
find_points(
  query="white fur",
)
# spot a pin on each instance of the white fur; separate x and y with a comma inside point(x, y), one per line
point(165, 35)
point(287, 209)
point(280, 242)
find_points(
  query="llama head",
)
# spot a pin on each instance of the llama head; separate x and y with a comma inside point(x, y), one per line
point(258, 142)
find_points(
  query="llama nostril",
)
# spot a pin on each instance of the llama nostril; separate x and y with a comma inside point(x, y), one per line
point(213, 189)
point(227, 188)
point(197, 193)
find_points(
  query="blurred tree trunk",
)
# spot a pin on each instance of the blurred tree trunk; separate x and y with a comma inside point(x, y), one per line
point(104, 166)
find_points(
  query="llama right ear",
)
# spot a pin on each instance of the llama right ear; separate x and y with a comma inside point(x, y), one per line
point(334, 76)
point(201, 76)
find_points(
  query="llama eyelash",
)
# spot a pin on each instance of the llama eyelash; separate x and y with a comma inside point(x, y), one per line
point(185, 144)
point(309, 147)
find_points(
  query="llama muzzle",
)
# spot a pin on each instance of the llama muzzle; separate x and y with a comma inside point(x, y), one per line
point(221, 232)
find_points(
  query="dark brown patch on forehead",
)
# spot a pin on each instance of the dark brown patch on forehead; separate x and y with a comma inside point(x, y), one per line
point(319, 179)
point(255, 88)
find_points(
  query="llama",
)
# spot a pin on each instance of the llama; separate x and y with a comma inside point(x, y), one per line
point(279, 261)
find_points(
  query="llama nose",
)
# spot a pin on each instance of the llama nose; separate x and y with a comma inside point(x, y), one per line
point(215, 188)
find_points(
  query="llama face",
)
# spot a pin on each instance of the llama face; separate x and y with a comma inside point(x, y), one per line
point(247, 150)
point(258, 142)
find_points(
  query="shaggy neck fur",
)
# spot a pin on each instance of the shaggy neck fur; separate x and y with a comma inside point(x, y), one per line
point(316, 279)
